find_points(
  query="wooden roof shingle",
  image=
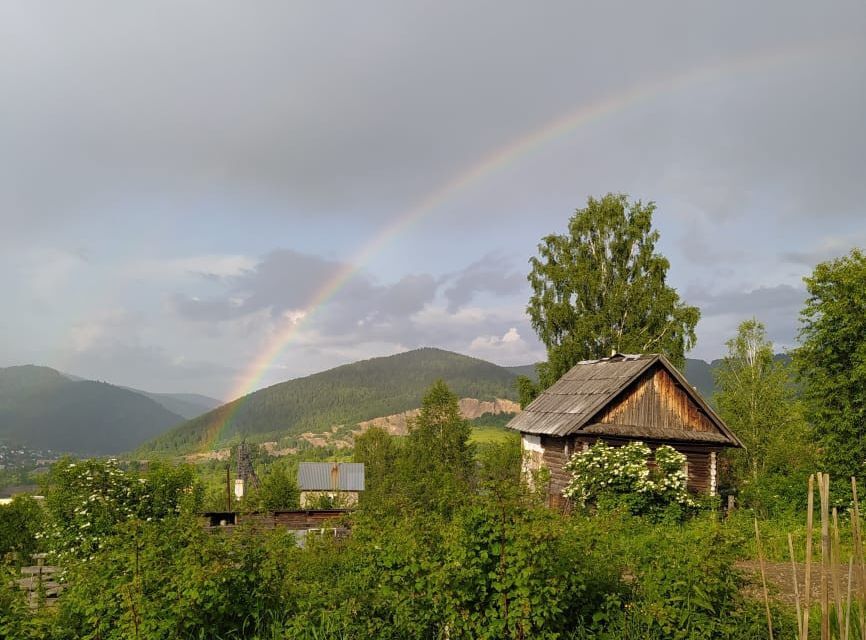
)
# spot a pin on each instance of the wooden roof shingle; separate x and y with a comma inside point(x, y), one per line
point(571, 403)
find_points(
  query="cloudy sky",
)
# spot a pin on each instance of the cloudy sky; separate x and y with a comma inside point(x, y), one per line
point(185, 185)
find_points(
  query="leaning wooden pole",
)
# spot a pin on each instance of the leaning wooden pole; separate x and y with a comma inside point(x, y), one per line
point(824, 485)
point(807, 590)
point(796, 586)
point(764, 579)
point(834, 570)
point(847, 631)
point(860, 572)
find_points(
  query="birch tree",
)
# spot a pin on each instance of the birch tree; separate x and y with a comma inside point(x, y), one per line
point(756, 398)
point(602, 287)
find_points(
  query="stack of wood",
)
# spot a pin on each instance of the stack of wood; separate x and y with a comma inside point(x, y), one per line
point(39, 581)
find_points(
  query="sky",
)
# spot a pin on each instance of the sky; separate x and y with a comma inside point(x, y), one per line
point(216, 196)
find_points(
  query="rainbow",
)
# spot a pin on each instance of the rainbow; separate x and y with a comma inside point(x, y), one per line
point(489, 165)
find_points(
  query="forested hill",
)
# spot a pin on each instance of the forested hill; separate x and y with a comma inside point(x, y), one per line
point(43, 409)
point(186, 405)
point(345, 395)
point(700, 373)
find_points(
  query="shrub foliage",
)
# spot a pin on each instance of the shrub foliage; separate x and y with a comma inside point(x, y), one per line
point(623, 476)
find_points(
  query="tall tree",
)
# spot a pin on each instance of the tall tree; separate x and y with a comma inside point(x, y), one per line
point(602, 287)
point(278, 490)
point(438, 462)
point(378, 451)
point(832, 360)
point(756, 399)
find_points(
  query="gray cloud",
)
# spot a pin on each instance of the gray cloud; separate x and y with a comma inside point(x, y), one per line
point(782, 297)
point(494, 274)
point(291, 281)
point(376, 106)
point(148, 367)
point(777, 307)
point(146, 151)
point(363, 310)
point(829, 248)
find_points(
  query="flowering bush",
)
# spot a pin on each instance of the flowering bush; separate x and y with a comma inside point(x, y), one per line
point(624, 476)
point(87, 499)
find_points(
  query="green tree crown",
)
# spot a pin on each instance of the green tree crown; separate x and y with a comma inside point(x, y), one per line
point(757, 399)
point(832, 360)
point(602, 287)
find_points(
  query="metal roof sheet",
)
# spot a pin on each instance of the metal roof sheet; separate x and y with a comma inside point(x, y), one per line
point(331, 476)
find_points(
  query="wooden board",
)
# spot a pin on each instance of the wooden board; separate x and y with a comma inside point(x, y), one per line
point(657, 400)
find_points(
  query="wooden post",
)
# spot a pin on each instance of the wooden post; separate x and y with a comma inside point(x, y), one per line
point(824, 489)
point(834, 570)
point(848, 600)
point(228, 490)
point(764, 579)
point(807, 591)
point(858, 558)
point(796, 586)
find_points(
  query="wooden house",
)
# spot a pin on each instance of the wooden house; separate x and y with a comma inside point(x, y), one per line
point(336, 482)
point(616, 400)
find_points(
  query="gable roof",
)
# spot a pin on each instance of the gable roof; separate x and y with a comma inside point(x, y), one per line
point(331, 476)
point(571, 403)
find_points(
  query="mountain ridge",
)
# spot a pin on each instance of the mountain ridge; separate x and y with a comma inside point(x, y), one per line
point(345, 395)
point(43, 409)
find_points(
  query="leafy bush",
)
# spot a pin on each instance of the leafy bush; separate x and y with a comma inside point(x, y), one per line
point(87, 499)
point(20, 524)
point(681, 585)
point(516, 571)
point(278, 490)
point(171, 579)
point(605, 476)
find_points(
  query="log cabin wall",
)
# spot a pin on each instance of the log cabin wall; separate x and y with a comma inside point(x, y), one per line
point(299, 520)
point(558, 450)
point(554, 458)
point(657, 400)
point(702, 471)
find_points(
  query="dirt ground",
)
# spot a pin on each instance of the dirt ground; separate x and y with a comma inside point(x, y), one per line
point(781, 585)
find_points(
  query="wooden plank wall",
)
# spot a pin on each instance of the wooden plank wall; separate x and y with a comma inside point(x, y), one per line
point(698, 458)
point(657, 400)
point(298, 520)
point(554, 458)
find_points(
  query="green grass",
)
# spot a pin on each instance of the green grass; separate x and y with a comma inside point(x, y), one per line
point(488, 434)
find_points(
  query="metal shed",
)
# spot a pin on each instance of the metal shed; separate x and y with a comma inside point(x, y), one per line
point(331, 476)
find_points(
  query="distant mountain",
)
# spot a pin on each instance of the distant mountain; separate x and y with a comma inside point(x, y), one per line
point(345, 395)
point(186, 405)
point(44, 409)
point(700, 374)
point(527, 370)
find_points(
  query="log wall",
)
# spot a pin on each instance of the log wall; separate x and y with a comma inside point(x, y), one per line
point(557, 451)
